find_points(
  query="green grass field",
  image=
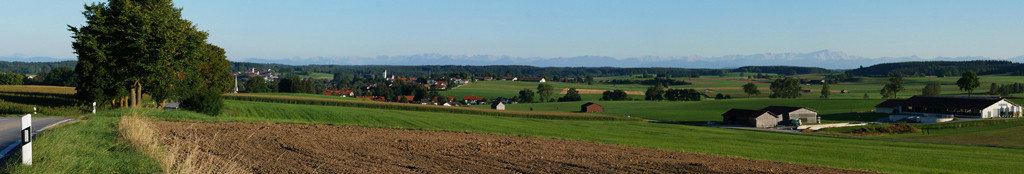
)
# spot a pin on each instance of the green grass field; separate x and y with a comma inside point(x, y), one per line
point(701, 110)
point(843, 152)
point(996, 132)
point(1002, 135)
point(730, 85)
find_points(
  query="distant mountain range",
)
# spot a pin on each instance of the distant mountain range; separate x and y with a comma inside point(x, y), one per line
point(824, 59)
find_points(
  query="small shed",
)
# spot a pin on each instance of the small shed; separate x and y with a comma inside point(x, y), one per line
point(591, 107)
point(498, 106)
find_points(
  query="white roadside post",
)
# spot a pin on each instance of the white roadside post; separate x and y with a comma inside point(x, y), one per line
point(26, 139)
point(34, 110)
point(93, 107)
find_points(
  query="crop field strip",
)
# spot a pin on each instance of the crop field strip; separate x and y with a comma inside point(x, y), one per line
point(419, 107)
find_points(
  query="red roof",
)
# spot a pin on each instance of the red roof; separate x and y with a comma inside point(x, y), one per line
point(470, 97)
point(408, 97)
point(531, 79)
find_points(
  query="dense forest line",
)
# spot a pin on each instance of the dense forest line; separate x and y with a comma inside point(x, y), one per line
point(941, 68)
point(34, 67)
point(922, 68)
point(785, 70)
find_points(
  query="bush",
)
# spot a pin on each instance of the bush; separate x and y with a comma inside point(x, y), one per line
point(209, 103)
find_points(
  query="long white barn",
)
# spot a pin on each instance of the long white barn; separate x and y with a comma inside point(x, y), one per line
point(973, 107)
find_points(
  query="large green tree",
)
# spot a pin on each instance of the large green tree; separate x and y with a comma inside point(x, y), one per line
point(932, 89)
point(655, 93)
point(894, 86)
point(825, 91)
point(785, 88)
point(131, 48)
point(11, 79)
point(968, 81)
point(571, 95)
point(751, 89)
point(545, 91)
point(525, 96)
point(256, 85)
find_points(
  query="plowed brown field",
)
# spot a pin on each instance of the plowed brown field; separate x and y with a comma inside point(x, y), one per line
point(290, 148)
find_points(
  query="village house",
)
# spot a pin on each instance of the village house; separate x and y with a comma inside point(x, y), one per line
point(771, 116)
point(348, 93)
point(969, 107)
point(591, 107)
point(539, 80)
point(472, 100)
point(498, 106)
point(509, 78)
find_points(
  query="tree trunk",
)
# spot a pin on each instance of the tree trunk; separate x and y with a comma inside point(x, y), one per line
point(138, 94)
point(131, 97)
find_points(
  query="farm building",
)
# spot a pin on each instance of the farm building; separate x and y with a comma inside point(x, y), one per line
point(755, 118)
point(794, 113)
point(776, 115)
point(509, 78)
point(973, 107)
point(539, 80)
point(498, 106)
point(591, 107)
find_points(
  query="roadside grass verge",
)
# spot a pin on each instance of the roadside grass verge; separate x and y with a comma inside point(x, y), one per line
point(842, 152)
point(419, 107)
point(90, 145)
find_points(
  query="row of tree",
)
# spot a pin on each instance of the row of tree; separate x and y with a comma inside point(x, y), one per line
point(545, 93)
point(60, 76)
point(130, 48)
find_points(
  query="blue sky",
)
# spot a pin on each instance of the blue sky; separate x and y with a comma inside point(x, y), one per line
point(621, 29)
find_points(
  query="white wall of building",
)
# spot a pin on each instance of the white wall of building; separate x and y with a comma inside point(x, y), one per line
point(1002, 108)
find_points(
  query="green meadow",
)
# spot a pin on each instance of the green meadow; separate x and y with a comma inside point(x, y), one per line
point(700, 111)
point(731, 85)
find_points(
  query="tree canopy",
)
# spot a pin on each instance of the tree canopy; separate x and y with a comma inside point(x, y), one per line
point(751, 89)
point(571, 95)
point(128, 48)
point(968, 81)
point(932, 89)
point(785, 88)
point(545, 91)
point(655, 93)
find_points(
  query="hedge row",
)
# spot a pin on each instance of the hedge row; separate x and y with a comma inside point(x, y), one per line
point(422, 108)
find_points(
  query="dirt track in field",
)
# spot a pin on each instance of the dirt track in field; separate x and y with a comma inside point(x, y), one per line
point(289, 148)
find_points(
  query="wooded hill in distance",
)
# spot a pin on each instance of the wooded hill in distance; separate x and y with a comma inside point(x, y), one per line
point(942, 68)
point(923, 68)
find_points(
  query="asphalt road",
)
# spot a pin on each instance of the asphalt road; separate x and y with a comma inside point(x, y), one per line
point(10, 128)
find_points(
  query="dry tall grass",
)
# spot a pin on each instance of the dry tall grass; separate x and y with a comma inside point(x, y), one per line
point(180, 157)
